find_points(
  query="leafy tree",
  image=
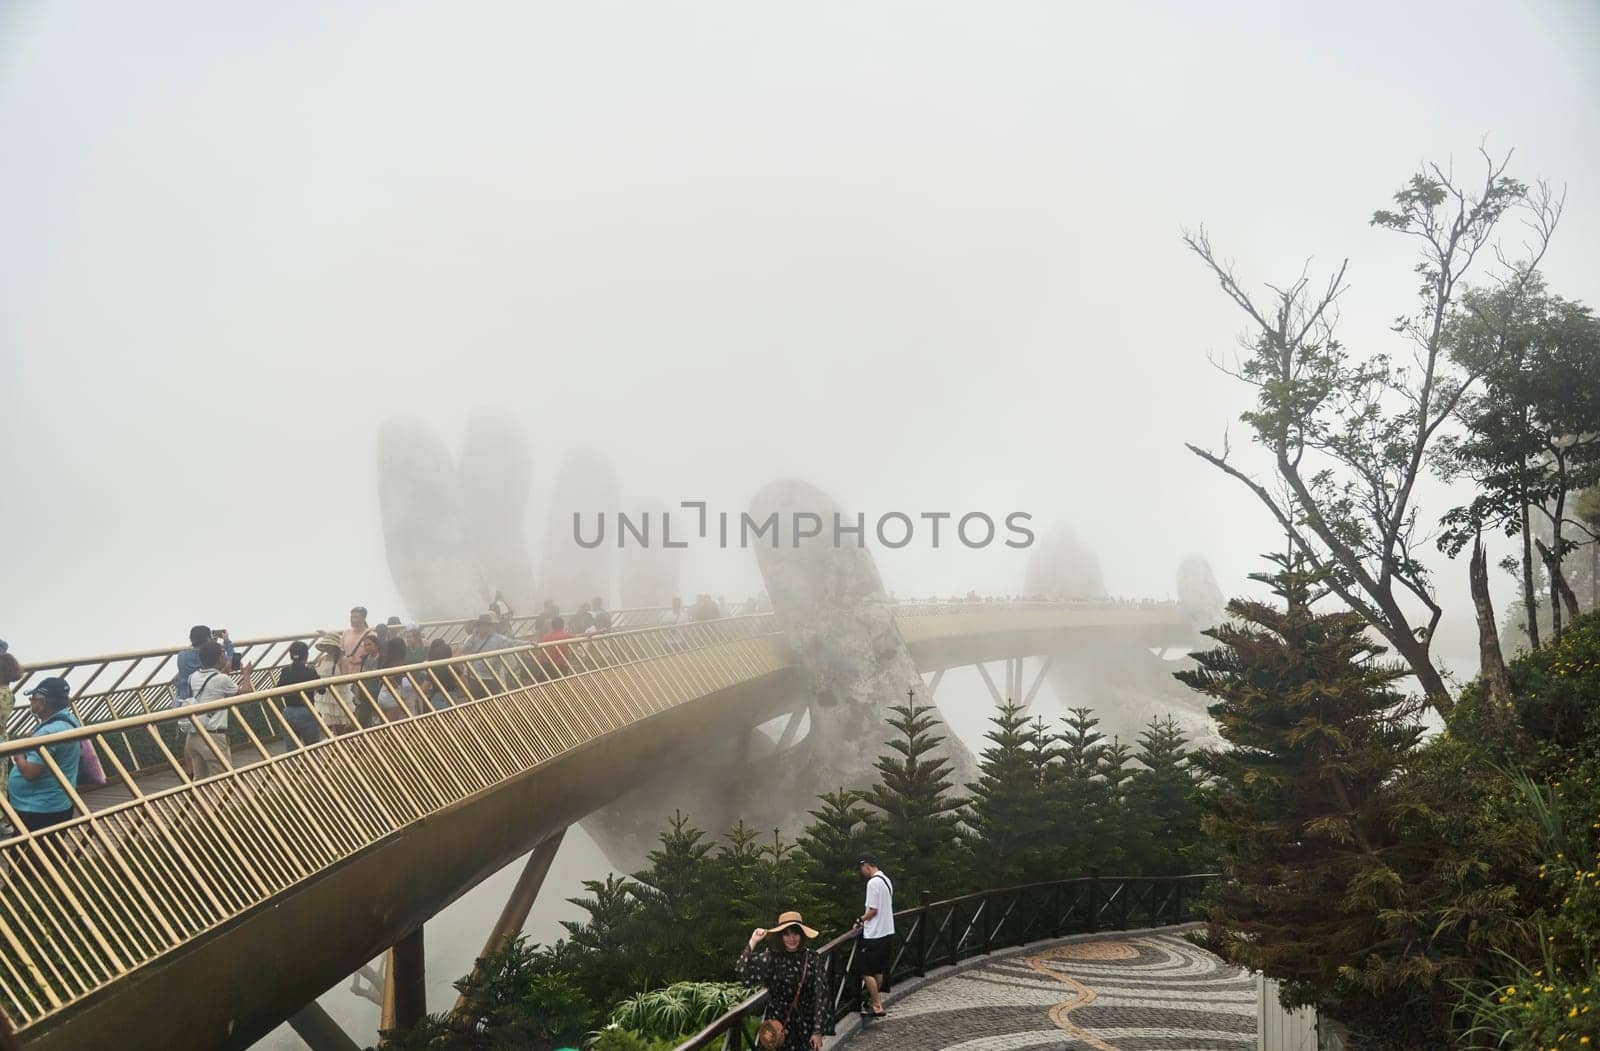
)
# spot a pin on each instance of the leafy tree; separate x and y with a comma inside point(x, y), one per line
point(1532, 431)
point(1348, 435)
point(919, 826)
point(1007, 825)
point(1298, 807)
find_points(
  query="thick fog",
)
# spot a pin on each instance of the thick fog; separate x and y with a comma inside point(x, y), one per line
point(924, 256)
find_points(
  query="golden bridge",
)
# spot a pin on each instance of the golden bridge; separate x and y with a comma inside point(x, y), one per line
point(170, 911)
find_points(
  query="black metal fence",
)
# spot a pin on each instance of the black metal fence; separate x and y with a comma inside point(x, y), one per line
point(940, 933)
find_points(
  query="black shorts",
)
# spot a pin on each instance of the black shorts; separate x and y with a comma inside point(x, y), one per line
point(873, 955)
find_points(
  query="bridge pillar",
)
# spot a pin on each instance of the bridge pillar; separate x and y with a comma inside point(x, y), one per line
point(317, 1028)
point(407, 999)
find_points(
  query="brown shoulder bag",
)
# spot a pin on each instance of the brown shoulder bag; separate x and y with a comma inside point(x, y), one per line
point(771, 1035)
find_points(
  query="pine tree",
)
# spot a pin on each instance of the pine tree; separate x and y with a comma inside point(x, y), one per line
point(1112, 818)
point(742, 877)
point(1074, 795)
point(920, 831)
point(1164, 819)
point(781, 882)
point(680, 905)
point(828, 850)
point(602, 951)
point(1003, 814)
point(1298, 808)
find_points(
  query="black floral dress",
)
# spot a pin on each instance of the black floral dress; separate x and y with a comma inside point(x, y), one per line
point(780, 971)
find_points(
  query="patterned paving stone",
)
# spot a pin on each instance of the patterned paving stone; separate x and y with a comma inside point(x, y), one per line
point(1148, 992)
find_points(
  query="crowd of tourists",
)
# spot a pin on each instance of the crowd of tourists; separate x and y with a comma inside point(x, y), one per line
point(210, 669)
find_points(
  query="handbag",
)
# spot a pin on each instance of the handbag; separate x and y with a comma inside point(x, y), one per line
point(90, 772)
point(771, 1035)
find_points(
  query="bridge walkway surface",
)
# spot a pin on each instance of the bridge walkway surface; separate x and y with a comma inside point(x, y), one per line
point(1129, 991)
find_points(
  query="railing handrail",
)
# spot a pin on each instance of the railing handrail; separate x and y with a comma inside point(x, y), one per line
point(910, 607)
point(184, 712)
point(67, 664)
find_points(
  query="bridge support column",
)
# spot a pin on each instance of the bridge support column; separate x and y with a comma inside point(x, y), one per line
point(317, 1028)
point(521, 900)
point(406, 991)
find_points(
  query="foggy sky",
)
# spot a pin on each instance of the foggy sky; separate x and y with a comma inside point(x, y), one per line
point(923, 255)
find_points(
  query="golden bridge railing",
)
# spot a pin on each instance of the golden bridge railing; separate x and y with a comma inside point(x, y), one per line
point(118, 685)
point(108, 890)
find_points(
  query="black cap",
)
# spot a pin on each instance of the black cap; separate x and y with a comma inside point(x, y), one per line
point(867, 859)
point(54, 689)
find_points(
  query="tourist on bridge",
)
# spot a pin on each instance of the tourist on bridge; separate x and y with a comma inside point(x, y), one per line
point(602, 616)
point(676, 615)
point(483, 638)
point(302, 724)
point(554, 655)
point(350, 658)
point(38, 798)
point(416, 645)
point(396, 695)
point(10, 673)
point(189, 659)
point(792, 976)
point(541, 623)
point(210, 683)
point(369, 654)
point(436, 687)
point(583, 620)
point(330, 652)
point(873, 954)
point(500, 609)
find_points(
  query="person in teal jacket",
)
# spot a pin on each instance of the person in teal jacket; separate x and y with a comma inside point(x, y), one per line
point(35, 794)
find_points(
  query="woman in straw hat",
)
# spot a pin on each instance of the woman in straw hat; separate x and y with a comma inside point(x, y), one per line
point(330, 650)
point(792, 975)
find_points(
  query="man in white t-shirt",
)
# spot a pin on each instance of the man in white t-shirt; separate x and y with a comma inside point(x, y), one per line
point(877, 935)
point(210, 683)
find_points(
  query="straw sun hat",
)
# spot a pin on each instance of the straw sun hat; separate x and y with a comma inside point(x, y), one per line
point(787, 920)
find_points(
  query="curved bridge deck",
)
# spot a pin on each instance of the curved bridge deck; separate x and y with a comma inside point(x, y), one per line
point(216, 908)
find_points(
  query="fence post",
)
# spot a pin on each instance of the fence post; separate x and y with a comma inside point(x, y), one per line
point(1122, 904)
point(922, 934)
point(1094, 900)
point(1179, 906)
point(1155, 902)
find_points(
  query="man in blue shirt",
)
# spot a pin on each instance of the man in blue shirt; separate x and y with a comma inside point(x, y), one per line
point(189, 659)
point(38, 798)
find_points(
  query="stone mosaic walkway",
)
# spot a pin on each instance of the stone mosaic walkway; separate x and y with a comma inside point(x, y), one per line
point(1138, 992)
